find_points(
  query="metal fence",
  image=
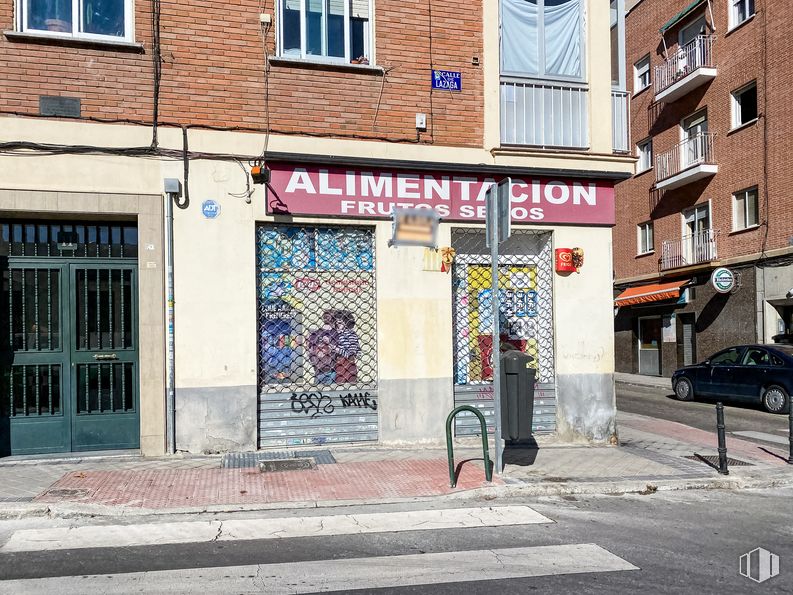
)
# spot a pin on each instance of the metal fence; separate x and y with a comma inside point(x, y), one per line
point(317, 335)
point(689, 250)
point(619, 121)
point(698, 53)
point(526, 317)
point(544, 114)
point(692, 151)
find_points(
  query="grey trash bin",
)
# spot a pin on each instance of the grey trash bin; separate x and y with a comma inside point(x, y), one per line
point(517, 396)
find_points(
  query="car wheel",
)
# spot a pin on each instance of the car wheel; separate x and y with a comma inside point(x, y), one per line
point(775, 399)
point(684, 391)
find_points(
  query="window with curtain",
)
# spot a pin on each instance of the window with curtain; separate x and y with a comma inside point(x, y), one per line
point(542, 38)
point(327, 29)
point(93, 19)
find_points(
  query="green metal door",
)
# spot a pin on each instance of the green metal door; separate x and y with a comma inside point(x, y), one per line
point(68, 337)
point(104, 356)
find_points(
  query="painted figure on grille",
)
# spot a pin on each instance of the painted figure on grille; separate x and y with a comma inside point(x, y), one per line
point(278, 342)
point(347, 348)
point(322, 350)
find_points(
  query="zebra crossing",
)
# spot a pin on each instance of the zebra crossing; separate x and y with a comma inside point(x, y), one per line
point(267, 574)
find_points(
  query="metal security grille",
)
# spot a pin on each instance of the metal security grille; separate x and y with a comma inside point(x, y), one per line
point(525, 283)
point(317, 335)
point(69, 240)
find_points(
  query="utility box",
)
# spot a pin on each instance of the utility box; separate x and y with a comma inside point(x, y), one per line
point(517, 396)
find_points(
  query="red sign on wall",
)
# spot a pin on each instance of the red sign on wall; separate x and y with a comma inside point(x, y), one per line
point(368, 193)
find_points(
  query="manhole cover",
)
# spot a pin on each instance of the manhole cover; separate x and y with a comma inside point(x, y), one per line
point(286, 465)
point(714, 460)
point(67, 493)
point(240, 460)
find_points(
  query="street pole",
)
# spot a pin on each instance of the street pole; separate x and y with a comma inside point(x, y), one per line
point(720, 431)
point(790, 431)
point(496, 347)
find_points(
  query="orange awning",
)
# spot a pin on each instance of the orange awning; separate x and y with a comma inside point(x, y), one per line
point(650, 293)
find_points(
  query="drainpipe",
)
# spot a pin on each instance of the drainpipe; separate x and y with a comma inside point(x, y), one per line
point(173, 190)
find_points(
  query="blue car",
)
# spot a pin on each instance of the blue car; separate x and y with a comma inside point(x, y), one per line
point(749, 373)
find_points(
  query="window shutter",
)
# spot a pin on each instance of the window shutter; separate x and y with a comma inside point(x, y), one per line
point(336, 7)
point(292, 4)
point(360, 9)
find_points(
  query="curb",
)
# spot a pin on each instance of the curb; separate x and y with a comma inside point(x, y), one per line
point(12, 511)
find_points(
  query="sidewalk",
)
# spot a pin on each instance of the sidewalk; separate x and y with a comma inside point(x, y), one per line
point(652, 455)
point(642, 380)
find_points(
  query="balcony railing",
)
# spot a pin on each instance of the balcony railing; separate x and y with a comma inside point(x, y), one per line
point(689, 250)
point(679, 70)
point(619, 121)
point(544, 114)
point(686, 155)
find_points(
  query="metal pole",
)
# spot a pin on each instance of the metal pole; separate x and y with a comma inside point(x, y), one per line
point(170, 401)
point(790, 431)
point(496, 347)
point(722, 440)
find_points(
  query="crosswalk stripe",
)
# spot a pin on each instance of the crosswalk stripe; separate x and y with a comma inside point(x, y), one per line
point(273, 528)
point(762, 436)
point(346, 574)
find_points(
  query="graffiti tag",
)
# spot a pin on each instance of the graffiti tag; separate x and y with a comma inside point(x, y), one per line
point(316, 403)
point(312, 404)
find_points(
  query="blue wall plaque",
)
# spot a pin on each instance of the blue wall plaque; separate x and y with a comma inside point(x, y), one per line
point(210, 209)
point(447, 80)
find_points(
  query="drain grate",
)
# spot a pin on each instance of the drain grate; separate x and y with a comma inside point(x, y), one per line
point(67, 493)
point(241, 460)
point(714, 460)
point(286, 465)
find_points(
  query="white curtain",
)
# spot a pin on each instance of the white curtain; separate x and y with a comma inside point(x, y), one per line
point(519, 31)
point(563, 37)
point(520, 45)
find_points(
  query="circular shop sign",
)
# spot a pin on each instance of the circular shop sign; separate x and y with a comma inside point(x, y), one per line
point(210, 209)
point(723, 280)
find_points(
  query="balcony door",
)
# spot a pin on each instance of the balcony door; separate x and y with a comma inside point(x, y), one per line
point(697, 235)
point(690, 54)
point(694, 130)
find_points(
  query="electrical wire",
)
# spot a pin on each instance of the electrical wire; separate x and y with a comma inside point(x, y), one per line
point(157, 68)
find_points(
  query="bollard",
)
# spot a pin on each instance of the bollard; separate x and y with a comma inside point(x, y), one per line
point(790, 431)
point(722, 440)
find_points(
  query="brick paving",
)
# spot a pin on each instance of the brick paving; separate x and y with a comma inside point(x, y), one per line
point(159, 488)
point(652, 450)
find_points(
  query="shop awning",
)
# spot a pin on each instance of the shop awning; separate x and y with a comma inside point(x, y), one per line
point(681, 15)
point(650, 293)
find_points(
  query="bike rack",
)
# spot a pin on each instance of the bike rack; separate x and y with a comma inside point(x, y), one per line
point(450, 448)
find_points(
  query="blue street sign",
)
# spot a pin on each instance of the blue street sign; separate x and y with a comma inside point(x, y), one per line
point(447, 80)
point(210, 209)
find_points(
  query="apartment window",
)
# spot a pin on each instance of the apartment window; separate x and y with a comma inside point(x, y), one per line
point(744, 105)
point(744, 209)
point(645, 237)
point(90, 19)
point(644, 151)
point(542, 38)
point(740, 10)
point(332, 30)
point(641, 74)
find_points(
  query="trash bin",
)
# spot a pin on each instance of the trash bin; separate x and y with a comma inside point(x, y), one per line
point(517, 396)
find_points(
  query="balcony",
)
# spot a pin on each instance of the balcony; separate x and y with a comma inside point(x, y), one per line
point(688, 161)
point(688, 68)
point(619, 121)
point(544, 115)
point(690, 250)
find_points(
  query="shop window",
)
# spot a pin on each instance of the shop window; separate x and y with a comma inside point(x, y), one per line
point(740, 11)
point(542, 38)
point(641, 74)
point(645, 237)
point(644, 151)
point(89, 19)
point(332, 30)
point(745, 209)
point(744, 105)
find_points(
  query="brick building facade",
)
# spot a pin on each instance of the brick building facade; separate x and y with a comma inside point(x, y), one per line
point(129, 134)
point(710, 124)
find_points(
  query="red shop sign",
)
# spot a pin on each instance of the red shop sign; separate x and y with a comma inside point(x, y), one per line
point(372, 194)
point(564, 260)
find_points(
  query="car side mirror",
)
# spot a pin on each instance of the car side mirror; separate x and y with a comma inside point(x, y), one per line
point(706, 362)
